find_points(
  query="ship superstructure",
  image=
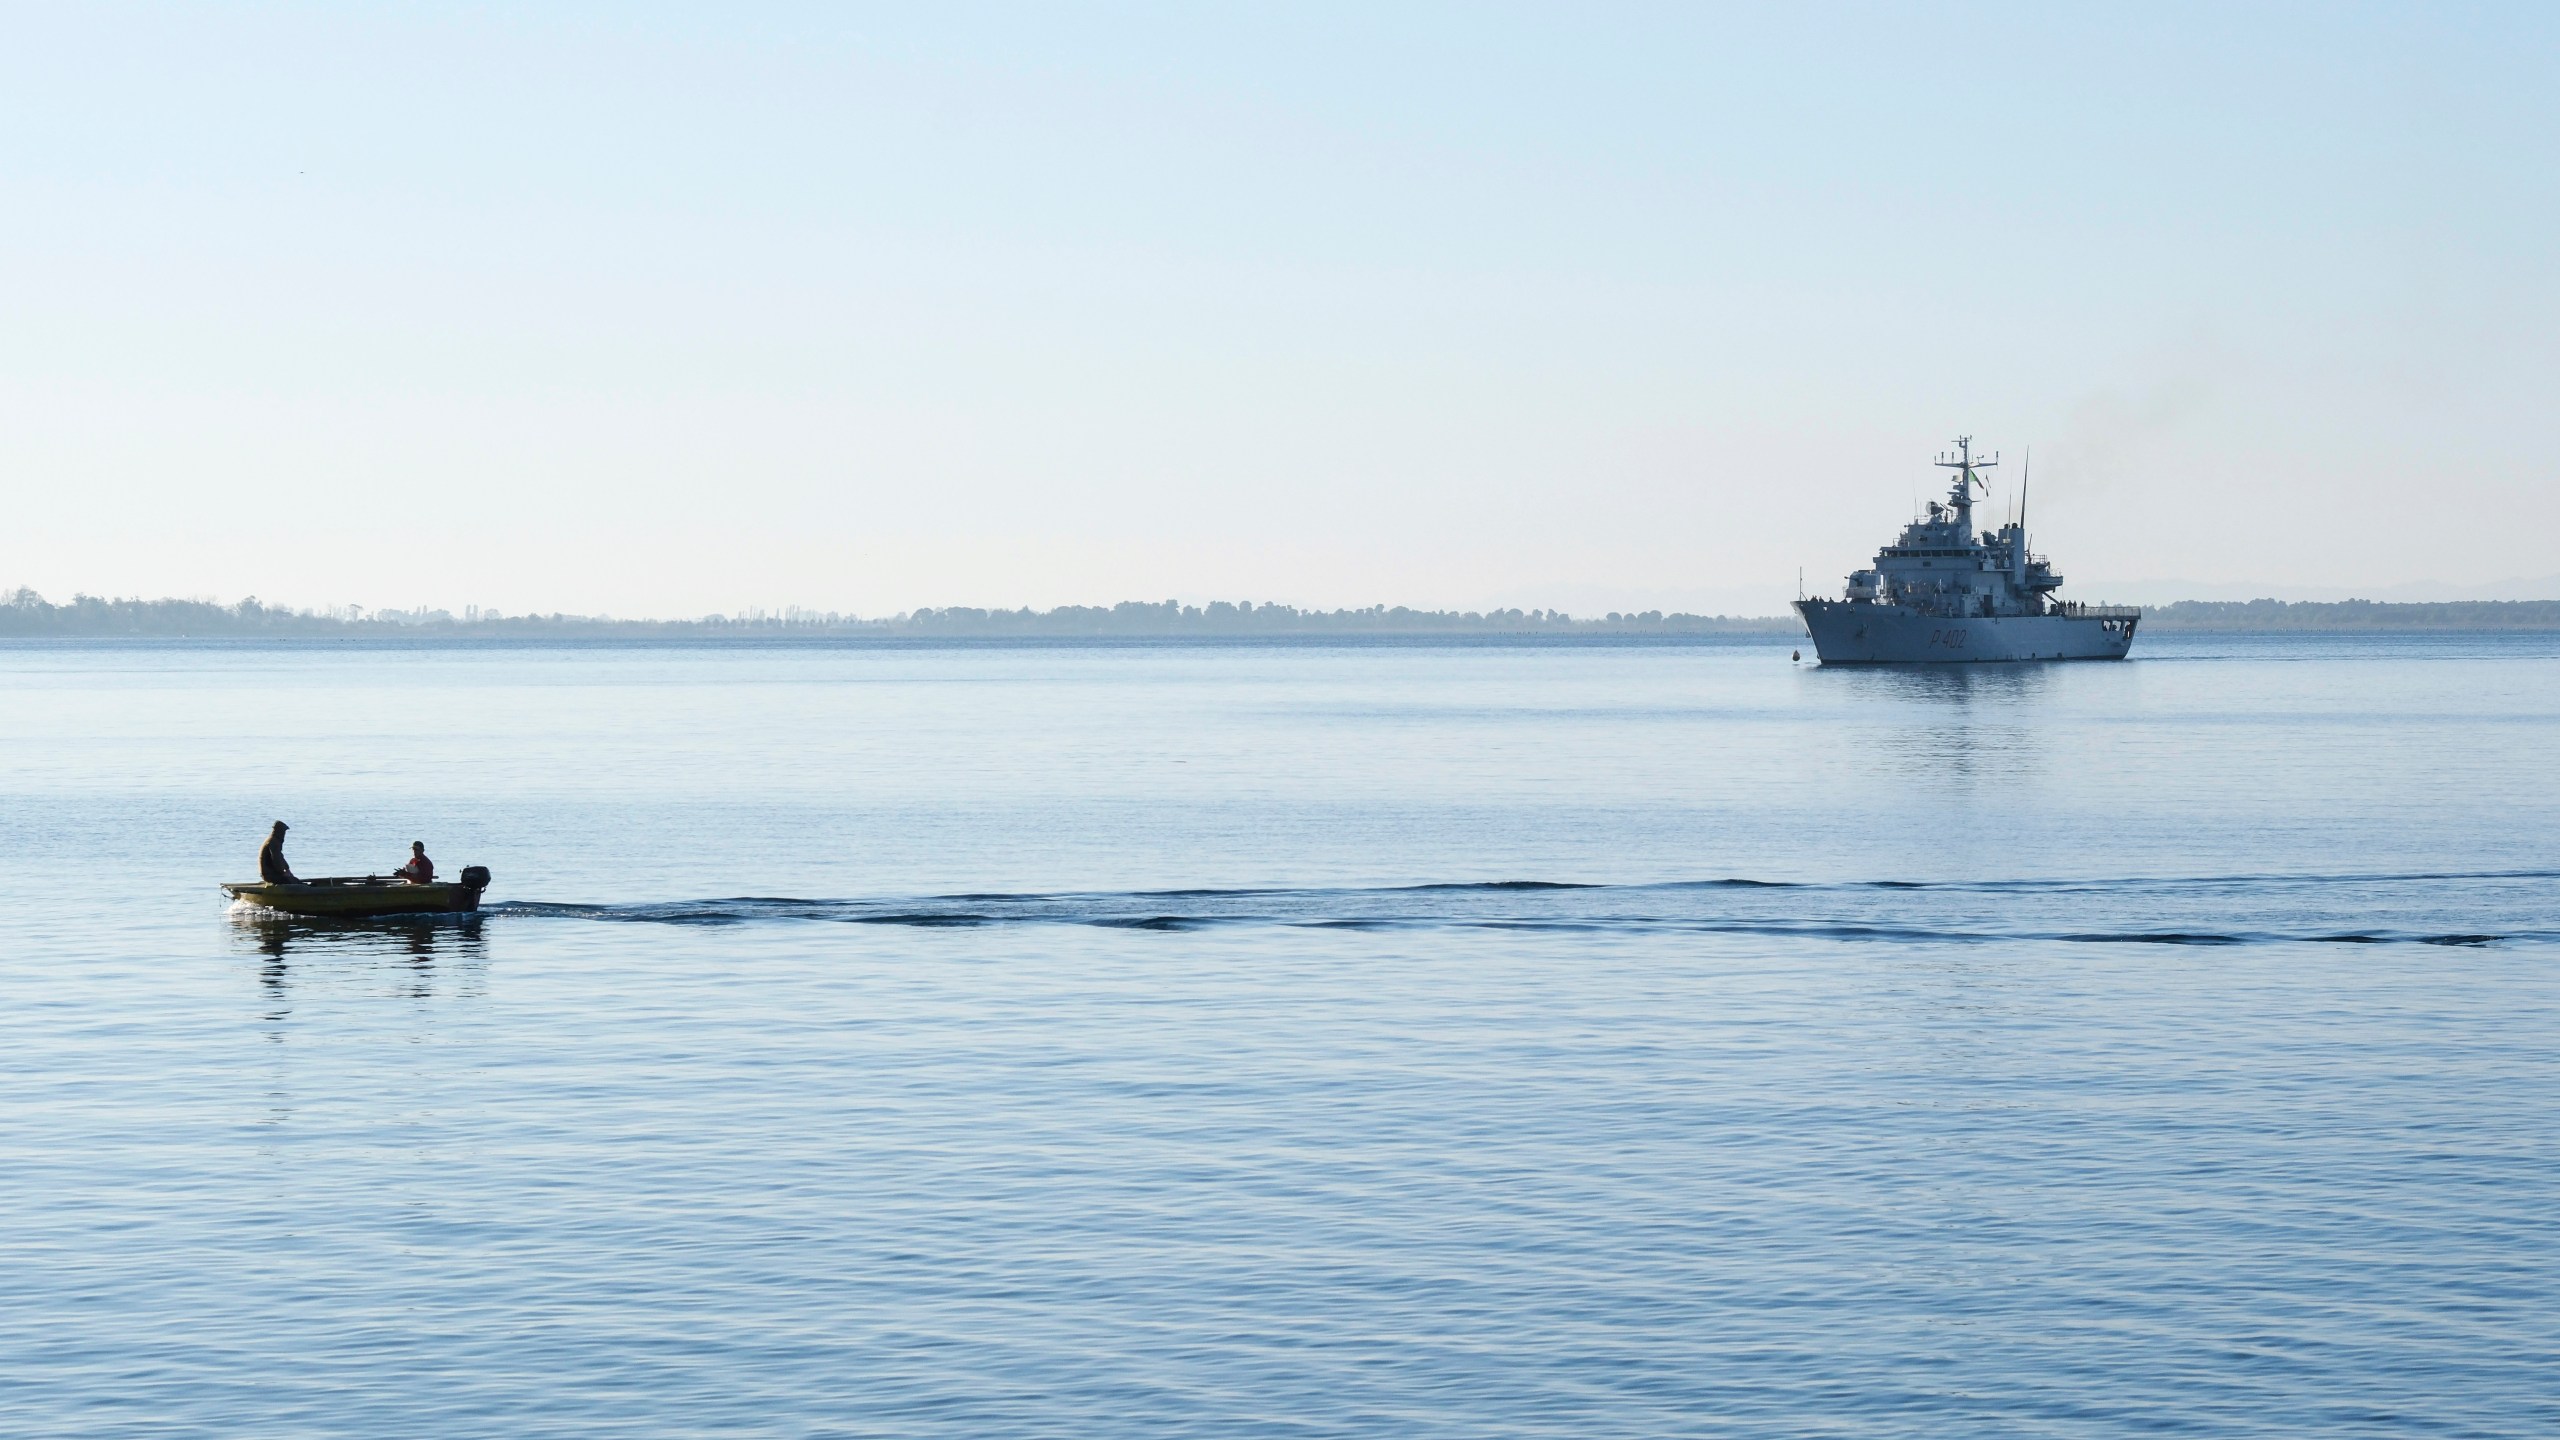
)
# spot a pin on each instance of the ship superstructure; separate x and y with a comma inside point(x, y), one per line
point(1941, 593)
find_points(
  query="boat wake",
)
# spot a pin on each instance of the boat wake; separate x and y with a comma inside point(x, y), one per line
point(2448, 908)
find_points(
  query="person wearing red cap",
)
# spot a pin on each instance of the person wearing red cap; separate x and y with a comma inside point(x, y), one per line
point(420, 870)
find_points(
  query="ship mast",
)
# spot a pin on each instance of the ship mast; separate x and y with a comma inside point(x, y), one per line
point(1961, 494)
point(2025, 473)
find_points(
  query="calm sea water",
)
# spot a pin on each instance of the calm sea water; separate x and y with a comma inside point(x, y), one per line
point(1399, 1041)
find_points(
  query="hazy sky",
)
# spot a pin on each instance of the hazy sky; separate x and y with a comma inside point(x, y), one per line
point(661, 310)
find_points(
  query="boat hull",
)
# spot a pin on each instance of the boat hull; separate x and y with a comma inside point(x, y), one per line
point(357, 898)
point(1859, 633)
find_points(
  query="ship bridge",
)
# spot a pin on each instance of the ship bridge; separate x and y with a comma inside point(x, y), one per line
point(1941, 566)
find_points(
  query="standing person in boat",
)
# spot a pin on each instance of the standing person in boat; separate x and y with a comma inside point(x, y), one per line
point(420, 870)
point(271, 866)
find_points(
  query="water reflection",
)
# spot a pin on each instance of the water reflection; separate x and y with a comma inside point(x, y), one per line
point(1960, 684)
point(408, 952)
point(1966, 723)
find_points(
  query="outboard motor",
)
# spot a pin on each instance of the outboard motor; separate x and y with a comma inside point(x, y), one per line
point(475, 877)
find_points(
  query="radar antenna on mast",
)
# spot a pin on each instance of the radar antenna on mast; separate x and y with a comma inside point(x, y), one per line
point(1960, 494)
point(1963, 460)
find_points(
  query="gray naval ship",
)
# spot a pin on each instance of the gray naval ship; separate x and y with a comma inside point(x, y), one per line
point(1942, 594)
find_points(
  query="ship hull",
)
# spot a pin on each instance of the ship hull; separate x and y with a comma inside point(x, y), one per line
point(350, 897)
point(1852, 633)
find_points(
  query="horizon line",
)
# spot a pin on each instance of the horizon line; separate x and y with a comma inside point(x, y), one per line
point(25, 613)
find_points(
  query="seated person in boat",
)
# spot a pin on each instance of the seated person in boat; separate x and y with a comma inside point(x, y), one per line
point(420, 870)
point(271, 866)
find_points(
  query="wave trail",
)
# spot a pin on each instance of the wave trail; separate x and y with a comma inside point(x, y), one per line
point(2442, 908)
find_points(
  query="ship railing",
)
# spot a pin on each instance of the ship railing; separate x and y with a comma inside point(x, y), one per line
point(2079, 611)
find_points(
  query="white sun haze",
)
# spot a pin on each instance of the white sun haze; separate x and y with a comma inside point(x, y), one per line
point(661, 310)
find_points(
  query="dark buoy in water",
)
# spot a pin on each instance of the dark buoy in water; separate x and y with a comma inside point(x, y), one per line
point(1796, 655)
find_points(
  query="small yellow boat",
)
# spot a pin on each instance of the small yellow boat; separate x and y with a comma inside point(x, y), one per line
point(356, 896)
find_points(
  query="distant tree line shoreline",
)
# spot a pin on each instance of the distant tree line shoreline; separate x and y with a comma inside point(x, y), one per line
point(2354, 615)
point(27, 614)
